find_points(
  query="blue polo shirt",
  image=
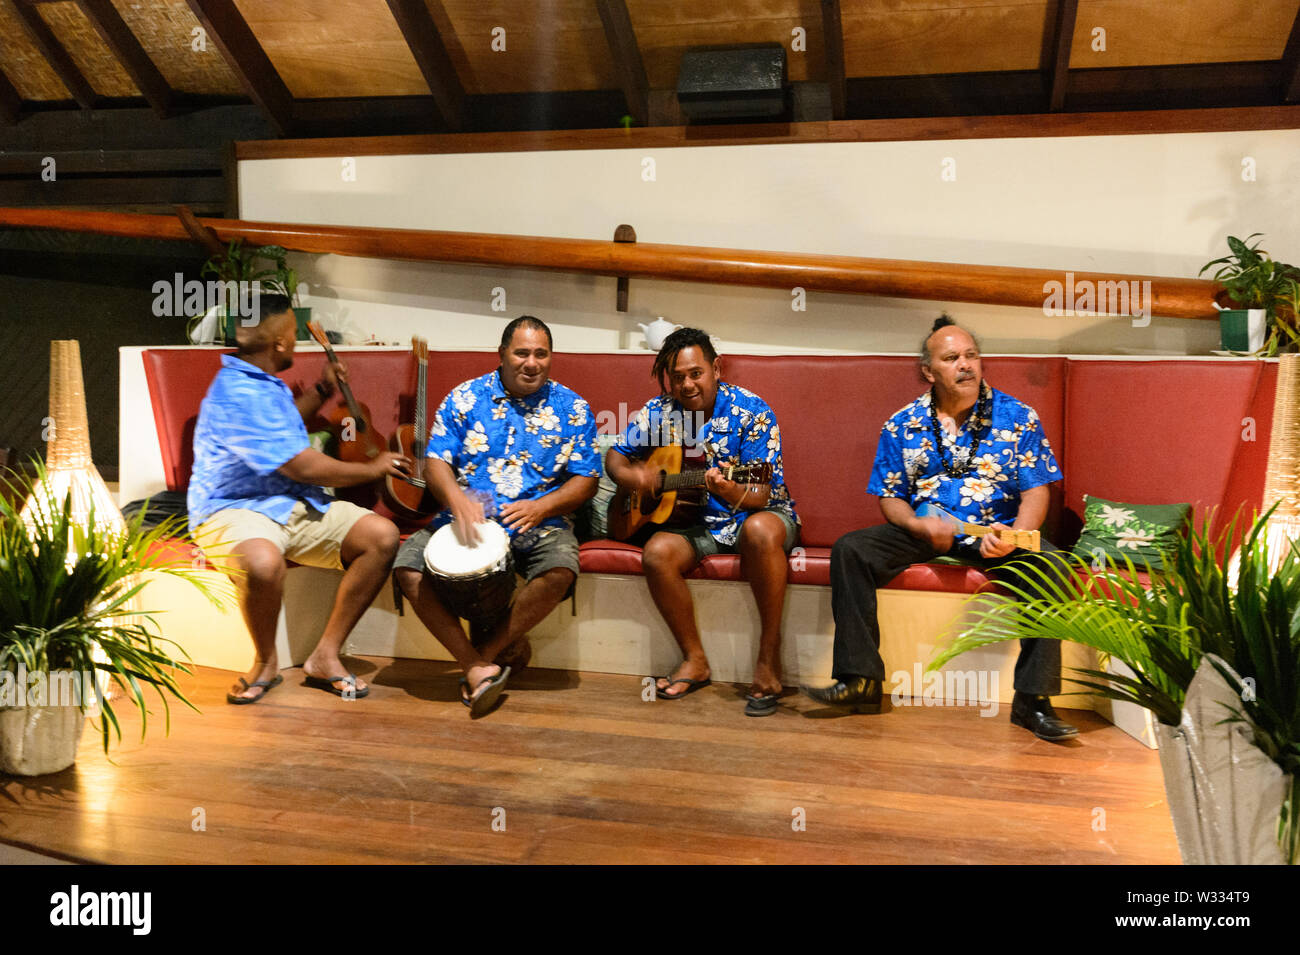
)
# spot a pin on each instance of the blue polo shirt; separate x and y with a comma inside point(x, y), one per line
point(248, 427)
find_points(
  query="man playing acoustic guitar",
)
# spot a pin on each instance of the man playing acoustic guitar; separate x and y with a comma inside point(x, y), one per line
point(981, 455)
point(756, 520)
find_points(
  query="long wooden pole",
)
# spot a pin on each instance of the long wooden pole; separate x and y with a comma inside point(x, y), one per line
point(898, 278)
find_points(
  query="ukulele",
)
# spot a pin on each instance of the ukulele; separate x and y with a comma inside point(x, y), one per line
point(1029, 540)
point(630, 511)
point(358, 439)
point(410, 497)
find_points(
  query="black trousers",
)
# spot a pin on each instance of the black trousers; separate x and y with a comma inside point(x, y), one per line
point(863, 561)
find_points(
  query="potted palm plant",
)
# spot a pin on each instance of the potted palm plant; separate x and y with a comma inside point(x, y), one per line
point(71, 637)
point(1213, 643)
point(1258, 298)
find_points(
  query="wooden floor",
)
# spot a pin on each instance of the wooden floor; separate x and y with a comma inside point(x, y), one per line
point(579, 769)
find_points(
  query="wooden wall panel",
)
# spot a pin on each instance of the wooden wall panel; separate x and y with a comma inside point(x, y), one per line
point(333, 48)
point(96, 61)
point(23, 63)
point(1140, 33)
point(550, 45)
point(920, 37)
point(163, 28)
point(666, 28)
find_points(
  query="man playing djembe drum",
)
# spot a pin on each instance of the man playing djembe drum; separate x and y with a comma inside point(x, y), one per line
point(526, 447)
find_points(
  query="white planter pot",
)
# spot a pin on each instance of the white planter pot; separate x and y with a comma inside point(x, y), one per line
point(35, 740)
point(1224, 793)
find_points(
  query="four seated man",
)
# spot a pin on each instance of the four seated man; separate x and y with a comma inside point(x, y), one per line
point(516, 447)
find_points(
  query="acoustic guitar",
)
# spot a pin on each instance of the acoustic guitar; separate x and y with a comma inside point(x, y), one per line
point(358, 440)
point(1028, 540)
point(410, 497)
point(631, 511)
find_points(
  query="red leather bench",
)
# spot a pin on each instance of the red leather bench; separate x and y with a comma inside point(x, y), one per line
point(1140, 431)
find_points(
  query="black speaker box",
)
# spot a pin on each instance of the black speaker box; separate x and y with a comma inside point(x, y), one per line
point(720, 83)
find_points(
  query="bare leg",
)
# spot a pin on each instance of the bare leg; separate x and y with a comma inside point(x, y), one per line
point(367, 552)
point(260, 586)
point(443, 625)
point(667, 559)
point(763, 562)
point(539, 597)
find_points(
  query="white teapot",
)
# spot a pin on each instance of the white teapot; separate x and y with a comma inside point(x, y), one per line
point(657, 331)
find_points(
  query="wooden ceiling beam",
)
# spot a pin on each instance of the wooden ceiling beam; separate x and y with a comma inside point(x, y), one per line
point(833, 37)
point(226, 27)
point(11, 103)
point(626, 54)
point(119, 38)
point(1058, 67)
point(56, 55)
point(431, 56)
point(1291, 64)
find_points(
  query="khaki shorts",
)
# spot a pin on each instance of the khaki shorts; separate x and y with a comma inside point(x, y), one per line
point(309, 538)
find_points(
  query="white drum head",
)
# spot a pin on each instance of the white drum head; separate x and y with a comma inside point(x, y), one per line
point(445, 556)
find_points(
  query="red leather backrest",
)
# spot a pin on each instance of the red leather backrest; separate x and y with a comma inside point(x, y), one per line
point(1153, 432)
point(1165, 433)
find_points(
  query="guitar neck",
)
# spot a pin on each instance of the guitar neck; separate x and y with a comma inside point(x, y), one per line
point(418, 439)
point(695, 477)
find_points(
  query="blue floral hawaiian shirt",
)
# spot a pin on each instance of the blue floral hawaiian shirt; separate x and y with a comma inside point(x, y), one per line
point(508, 448)
point(1013, 457)
point(741, 430)
point(248, 427)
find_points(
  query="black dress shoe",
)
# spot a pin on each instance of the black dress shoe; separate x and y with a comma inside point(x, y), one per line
point(863, 695)
point(1035, 714)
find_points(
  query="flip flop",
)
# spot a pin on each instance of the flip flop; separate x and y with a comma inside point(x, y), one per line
point(322, 683)
point(485, 694)
point(266, 685)
point(764, 705)
point(691, 687)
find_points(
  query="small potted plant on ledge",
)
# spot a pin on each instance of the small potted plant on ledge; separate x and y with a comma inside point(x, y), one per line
point(237, 267)
point(1258, 299)
point(71, 637)
point(1213, 643)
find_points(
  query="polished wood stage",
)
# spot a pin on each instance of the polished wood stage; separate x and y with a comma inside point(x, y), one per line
point(574, 767)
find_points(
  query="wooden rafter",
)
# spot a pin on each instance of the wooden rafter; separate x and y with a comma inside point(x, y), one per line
point(1058, 66)
point(431, 56)
point(626, 54)
point(833, 38)
point(1291, 65)
point(114, 31)
point(10, 102)
point(56, 55)
point(226, 27)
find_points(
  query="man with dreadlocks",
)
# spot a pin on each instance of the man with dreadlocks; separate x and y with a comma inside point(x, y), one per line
point(718, 424)
point(982, 456)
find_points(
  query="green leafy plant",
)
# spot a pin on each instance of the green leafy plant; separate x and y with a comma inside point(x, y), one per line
point(1246, 612)
point(1252, 279)
point(67, 599)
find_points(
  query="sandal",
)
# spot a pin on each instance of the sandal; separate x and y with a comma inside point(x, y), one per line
point(485, 694)
point(266, 685)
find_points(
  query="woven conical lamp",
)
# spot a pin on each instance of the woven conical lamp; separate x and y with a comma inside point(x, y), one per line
point(1282, 480)
point(69, 469)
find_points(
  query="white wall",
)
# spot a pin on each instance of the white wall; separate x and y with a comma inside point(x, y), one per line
point(1157, 205)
